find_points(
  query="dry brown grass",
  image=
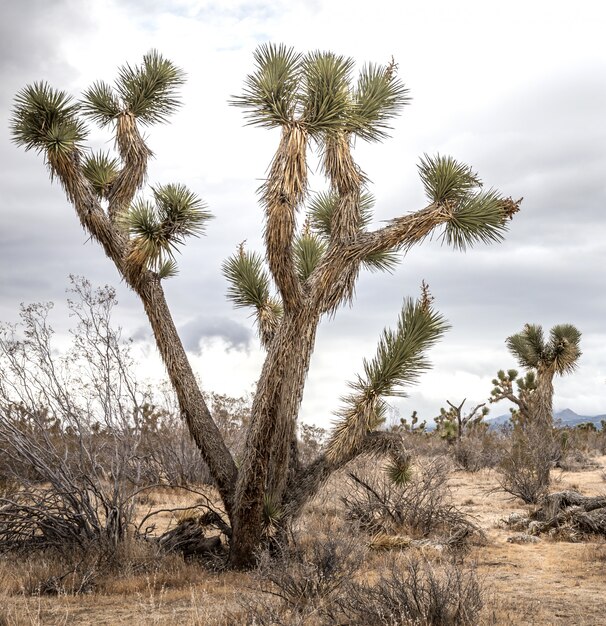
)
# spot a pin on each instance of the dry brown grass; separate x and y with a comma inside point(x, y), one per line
point(549, 582)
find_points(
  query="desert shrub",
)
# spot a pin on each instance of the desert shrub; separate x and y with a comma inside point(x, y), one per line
point(420, 506)
point(477, 451)
point(426, 445)
point(324, 586)
point(577, 446)
point(68, 430)
point(303, 582)
point(525, 467)
point(415, 592)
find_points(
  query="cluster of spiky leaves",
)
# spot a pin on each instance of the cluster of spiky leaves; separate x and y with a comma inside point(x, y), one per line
point(249, 286)
point(249, 281)
point(272, 514)
point(158, 228)
point(477, 215)
point(308, 251)
point(398, 363)
point(316, 92)
point(46, 120)
point(399, 469)
point(148, 92)
point(101, 170)
point(560, 352)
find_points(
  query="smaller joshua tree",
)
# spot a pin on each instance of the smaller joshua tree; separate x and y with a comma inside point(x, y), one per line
point(452, 423)
point(544, 359)
point(412, 426)
point(525, 471)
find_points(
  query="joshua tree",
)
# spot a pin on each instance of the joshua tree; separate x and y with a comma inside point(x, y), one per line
point(414, 426)
point(544, 359)
point(525, 471)
point(307, 271)
point(452, 423)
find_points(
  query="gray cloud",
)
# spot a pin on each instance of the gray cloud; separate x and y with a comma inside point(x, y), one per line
point(235, 335)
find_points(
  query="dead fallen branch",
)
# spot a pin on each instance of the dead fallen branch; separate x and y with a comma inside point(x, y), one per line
point(566, 514)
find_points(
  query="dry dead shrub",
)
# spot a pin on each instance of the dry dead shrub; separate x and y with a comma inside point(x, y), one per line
point(324, 586)
point(425, 445)
point(478, 451)
point(420, 507)
point(524, 470)
point(303, 581)
point(416, 592)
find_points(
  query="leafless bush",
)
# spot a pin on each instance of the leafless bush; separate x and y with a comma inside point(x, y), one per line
point(69, 430)
point(320, 586)
point(302, 582)
point(426, 445)
point(415, 593)
point(420, 506)
point(477, 451)
point(304, 576)
point(524, 469)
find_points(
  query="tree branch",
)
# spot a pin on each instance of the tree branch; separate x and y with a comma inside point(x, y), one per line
point(134, 154)
point(282, 193)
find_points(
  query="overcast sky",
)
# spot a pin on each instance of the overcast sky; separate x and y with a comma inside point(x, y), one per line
point(515, 89)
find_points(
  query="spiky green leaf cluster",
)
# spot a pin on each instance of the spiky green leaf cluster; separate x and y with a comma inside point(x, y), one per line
point(325, 96)
point(478, 218)
point(316, 92)
point(448, 430)
point(379, 97)
point(248, 279)
point(270, 93)
point(159, 227)
point(323, 205)
point(527, 383)
point(308, 250)
point(101, 170)
point(272, 513)
point(399, 470)
point(46, 120)
point(447, 180)
point(400, 357)
point(476, 215)
point(560, 352)
point(101, 104)
point(399, 361)
point(148, 92)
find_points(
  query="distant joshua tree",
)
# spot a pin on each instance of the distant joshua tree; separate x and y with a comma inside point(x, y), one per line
point(544, 359)
point(452, 423)
point(310, 266)
point(525, 470)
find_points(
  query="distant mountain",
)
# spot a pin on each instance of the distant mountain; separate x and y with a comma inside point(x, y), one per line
point(566, 417)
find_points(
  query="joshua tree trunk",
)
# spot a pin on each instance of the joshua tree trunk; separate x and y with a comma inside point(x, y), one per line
point(264, 468)
point(543, 397)
point(201, 426)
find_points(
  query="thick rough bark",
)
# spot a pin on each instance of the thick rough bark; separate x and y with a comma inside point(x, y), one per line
point(542, 404)
point(272, 429)
point(201, 425)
